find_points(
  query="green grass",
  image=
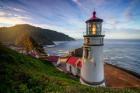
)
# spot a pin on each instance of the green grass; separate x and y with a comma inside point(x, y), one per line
point(24, 74)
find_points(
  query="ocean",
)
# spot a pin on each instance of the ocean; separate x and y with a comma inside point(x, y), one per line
point(122, 53)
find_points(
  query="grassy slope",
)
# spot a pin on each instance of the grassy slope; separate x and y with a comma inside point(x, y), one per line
point(23, 74)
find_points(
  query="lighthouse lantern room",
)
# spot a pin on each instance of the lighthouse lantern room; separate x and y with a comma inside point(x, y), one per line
point(92, 71)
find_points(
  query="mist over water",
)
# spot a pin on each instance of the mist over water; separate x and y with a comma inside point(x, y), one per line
point(123, 53)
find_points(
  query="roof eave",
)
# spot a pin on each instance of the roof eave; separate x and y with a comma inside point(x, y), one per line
point(94, 20)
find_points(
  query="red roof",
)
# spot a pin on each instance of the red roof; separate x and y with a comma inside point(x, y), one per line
point(94, 18)
point(75, 61)
point(53, 58)
point(79, 64)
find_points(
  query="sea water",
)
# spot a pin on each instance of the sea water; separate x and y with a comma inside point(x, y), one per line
point(122, 53)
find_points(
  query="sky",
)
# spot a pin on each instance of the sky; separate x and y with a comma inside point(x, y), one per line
point(121, 17)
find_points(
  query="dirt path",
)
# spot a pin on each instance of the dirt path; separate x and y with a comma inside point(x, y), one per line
point(118, 78)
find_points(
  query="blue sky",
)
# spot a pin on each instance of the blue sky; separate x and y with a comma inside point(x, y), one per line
point(121, 17)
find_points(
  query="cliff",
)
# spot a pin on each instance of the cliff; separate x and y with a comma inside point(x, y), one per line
point(40, 35)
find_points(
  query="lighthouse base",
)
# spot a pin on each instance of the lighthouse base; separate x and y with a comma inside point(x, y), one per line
point(93, 84)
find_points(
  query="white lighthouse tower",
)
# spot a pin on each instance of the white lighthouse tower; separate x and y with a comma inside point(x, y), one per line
point(92, 71)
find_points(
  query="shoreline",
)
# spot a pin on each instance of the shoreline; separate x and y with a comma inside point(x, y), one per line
point(128, 71)
point(76, 52)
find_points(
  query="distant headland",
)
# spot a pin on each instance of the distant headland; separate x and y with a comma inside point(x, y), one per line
point(40, 35)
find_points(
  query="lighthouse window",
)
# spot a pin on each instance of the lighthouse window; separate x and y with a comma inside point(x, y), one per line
point(90, 28)
point(94, 29)
point(86, 53)
point(88, 40)
point(87, 29)
point(99, 29)
point(89, 25)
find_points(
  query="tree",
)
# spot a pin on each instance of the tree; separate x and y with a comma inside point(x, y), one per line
point(28, 43)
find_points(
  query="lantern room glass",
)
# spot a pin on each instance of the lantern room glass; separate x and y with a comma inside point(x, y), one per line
point(94, 29)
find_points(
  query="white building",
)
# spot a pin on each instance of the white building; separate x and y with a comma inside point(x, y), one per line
point(61, 60)
point(34, 53)
point(73, 65)
point(92, 71)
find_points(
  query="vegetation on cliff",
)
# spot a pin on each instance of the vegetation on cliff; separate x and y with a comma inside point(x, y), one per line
point(24, 74)
point(28, 43)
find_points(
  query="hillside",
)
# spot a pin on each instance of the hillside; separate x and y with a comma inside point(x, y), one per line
point(24, 74)
point(42, 36)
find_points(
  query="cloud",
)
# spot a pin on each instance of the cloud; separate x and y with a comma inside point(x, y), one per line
point(18, 10)
point(11, 13)
point(77, 2)
point(129, 12)
point(100, 2)
point(2, 13)
point(9, 16)
point(122, 33)
point(68, 16)
point(12, 21)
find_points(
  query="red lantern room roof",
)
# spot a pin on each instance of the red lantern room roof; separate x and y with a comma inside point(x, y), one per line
point(94, 18)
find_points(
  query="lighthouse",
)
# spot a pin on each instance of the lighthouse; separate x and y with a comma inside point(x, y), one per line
point(92, 70)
